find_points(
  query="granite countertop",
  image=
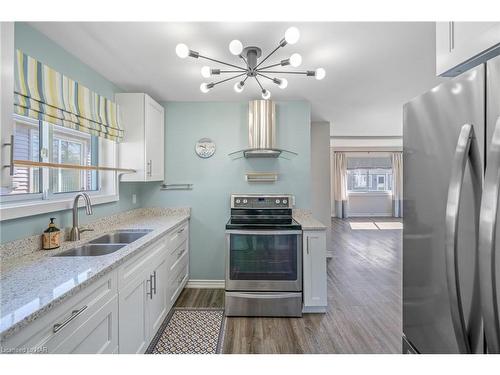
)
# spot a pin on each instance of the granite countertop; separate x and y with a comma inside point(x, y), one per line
point(33, 282)
point(306, 220)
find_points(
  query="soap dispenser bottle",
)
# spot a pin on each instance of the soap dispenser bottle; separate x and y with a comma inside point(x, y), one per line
point(51, 236)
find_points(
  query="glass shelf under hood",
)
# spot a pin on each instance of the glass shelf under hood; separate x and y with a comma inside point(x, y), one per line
point(270, 153)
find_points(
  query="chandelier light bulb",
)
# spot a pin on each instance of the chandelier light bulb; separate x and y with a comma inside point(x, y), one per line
point(182, 50)
point(295, 60)
point(319, 74)
point(206, 71)
point(292, 35)
point(204, 88)
point(235, 47)
point(238, 87)
point(283, 84)
point(266, 94)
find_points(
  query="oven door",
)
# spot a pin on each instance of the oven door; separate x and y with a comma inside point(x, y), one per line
point(264, 260)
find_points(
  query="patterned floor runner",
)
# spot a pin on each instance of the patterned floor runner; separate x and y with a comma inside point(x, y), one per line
point(190, 331)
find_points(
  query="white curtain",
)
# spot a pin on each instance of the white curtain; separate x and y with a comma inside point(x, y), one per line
point(397, 184)
point(340, 184)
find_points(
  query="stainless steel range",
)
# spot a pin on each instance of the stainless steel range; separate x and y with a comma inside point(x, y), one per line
point(264, 257)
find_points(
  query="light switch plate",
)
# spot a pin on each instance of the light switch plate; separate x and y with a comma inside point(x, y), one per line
point(134, 199)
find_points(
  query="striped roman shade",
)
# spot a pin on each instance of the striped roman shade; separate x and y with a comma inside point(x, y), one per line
point(44, 94)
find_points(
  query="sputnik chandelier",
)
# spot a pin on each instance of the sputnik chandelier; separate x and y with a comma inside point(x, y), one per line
point(253, 68)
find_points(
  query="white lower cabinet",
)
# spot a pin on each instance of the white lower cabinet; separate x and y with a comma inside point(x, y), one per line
point(146, 300)
point(133, 323)
point(86, 323)
point(99, 334)
point(158, 304)
point(314, 271)
point(119, 313)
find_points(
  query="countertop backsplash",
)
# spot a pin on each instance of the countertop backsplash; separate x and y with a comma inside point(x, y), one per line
point(9, 251)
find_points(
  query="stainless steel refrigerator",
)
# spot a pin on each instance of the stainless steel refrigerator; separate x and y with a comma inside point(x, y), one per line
point(451, 175)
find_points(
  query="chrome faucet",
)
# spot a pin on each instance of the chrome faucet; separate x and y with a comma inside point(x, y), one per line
point(75, 231)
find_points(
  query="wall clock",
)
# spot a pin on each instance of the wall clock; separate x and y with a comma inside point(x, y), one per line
point(205, 148)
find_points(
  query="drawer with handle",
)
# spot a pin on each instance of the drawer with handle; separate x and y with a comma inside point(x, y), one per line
point(49, 331)
point(176, 256)
point(177, 282)
point(178, 236)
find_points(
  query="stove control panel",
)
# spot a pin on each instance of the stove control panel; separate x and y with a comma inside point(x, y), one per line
point(261, 201)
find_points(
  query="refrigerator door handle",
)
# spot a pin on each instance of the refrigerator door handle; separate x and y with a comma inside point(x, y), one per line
point(467, 149)
point(487, 245)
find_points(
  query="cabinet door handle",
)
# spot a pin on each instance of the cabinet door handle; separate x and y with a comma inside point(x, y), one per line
point(181, 230)
point(74, 314)
point(307, 245)
point(179, 254)
point(150, 167)
point(154, 282)
point(150, 284)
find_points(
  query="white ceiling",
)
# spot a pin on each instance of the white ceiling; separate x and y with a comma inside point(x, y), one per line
point(372, 68)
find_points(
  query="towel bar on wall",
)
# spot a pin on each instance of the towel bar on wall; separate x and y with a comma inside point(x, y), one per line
point(176, 187)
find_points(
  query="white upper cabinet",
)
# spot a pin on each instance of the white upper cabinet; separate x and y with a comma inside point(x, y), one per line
point(143, 147)
point(462, 45)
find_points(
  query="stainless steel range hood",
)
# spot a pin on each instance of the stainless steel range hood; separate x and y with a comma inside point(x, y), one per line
point(262, 133)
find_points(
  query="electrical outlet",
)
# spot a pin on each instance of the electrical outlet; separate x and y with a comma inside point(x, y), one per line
point(134, 199)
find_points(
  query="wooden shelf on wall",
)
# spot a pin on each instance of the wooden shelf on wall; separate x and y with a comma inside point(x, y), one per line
point(39, 164)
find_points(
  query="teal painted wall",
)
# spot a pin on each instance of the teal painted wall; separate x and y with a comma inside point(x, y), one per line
point(214, 179)
point(40, 47)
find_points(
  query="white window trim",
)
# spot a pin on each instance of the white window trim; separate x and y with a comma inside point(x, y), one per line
point(109, 192)
point(16, 210)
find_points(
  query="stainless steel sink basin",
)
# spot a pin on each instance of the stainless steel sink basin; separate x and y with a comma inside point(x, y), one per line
point(106, 244)
point(91, 250)
point(121, 236)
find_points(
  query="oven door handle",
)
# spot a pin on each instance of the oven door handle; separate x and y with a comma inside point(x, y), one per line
point(263, 232)
point(263, 295)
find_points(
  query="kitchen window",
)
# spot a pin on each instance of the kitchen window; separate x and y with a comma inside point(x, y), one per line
point(41, 141)
point(367, 174)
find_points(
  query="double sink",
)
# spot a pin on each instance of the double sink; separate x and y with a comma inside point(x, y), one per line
point(106, 244)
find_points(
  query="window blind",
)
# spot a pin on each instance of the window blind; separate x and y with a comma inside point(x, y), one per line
point(42, 93)
point(359, 162)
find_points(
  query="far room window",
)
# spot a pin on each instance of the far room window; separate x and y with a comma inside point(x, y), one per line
point(369, 173)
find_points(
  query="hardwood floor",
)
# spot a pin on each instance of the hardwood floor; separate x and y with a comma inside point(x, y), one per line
point(364, 302)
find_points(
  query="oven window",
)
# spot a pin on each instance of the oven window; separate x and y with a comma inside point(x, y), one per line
point(263, 257)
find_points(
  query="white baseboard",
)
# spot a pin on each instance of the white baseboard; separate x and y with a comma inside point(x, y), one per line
point(370, 215)
point(206, 284)
point(314, 309)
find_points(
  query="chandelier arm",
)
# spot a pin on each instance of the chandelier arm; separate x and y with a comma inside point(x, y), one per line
point(228, 79)
point(263, 75)
point(244, 60)
point(230, 71)
point(262, 88)
point(269, 66)
point(310, 73)
point(222, 62)
point(269, 55)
